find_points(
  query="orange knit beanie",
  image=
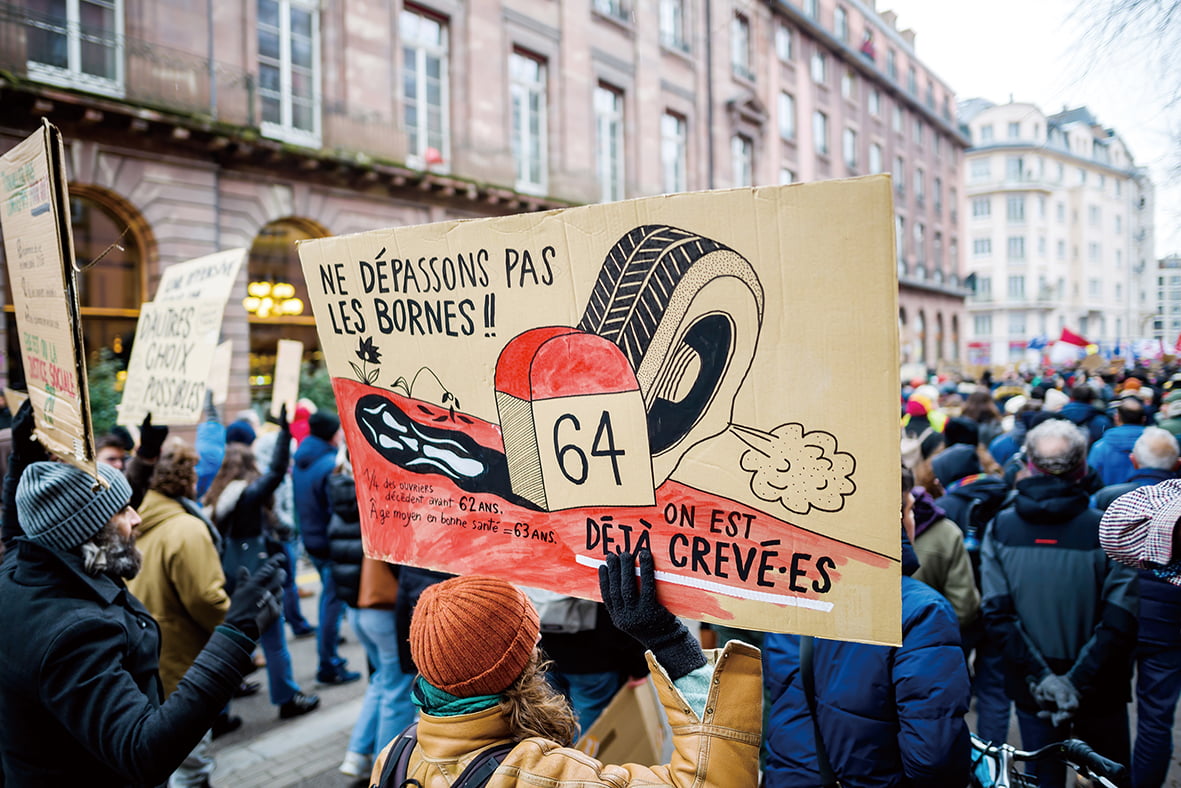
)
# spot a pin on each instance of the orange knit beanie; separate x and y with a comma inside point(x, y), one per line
point(473, 635)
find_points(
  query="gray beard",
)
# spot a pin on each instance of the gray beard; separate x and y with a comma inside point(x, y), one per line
point(107, 553)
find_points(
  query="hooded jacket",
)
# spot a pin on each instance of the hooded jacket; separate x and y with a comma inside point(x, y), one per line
point(1111, 455)
point(1087, 416)
point(718, 749)
point(80, 699)
point(887, 716)
point(181, 583)
point(314, 460)
point(943, 561)
point(1053, 599)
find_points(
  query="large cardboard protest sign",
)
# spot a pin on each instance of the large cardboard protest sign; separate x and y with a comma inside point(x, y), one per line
point(176, 341)
point(712, 376)
point(35, 219)
point(285, 380)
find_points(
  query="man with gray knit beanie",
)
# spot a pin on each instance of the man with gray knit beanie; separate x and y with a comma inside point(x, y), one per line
point(80, 695)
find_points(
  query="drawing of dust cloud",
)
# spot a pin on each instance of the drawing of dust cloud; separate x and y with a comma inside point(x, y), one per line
point(799, 470)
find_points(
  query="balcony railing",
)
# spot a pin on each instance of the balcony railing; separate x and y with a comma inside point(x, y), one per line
point(140, 72)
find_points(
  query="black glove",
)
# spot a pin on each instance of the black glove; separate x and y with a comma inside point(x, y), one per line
point(1057, 697)
point(255, 605)
point(209, 409)
point(151, 438)
point(25, 449)
point(639, 614)
point(283, 423)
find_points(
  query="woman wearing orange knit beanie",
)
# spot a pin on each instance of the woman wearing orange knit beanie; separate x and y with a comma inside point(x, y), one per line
point(482, 686)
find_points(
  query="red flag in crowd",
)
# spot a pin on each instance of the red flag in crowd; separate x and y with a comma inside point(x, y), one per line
point(1071, 338)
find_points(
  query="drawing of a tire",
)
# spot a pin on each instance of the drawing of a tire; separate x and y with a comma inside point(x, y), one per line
point(686, 312)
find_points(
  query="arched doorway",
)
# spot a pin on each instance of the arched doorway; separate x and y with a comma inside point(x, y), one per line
point(110, 291)
point(277, 298)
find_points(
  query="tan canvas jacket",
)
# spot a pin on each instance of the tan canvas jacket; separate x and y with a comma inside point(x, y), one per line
point(719, 750)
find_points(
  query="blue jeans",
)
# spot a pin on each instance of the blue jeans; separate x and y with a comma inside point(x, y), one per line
point(280, 677)
point(386, 709)
point(331, 612)
point(291, 610)
point(988, 685)
point(1106, 732)
point(589, 693)
point(1158, 685)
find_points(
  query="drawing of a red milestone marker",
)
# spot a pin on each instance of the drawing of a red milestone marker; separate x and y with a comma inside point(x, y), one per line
point(573, 419)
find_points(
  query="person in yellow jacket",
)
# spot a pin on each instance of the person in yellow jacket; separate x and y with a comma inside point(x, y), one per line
point(181, 582)
point(482, 684)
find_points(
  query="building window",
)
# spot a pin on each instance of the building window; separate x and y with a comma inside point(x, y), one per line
point(787, 116)
point(609, 133)
point(1017, 321)
point(1016, 247)
point(849, 84)
point(1014, 131)
point(918, 131)
point(819, 68)
point(1061, 250)
point(425, 84)
point(1119, 223)
point(786, 176)
point(672, 25)
point(981, 207)
point(527, 77)
point(912, 85)
point(1041, 246)
point(982, 325)
point(920, 186)
point(1015, 209)
point(784, 43)
point(920, 246)
point(1041, 207)
point(1014, 168)
point(899, 174)
point(986, 133)
point(1017, 287)
point(981, 169)
point(612, 8)
point(875, 157)
point(899, 237)
point(77, 43)
point(875, 102)
point(674, 153)
point(892, 63)
point(740, 47)
point(983, 288)
point(820, 132)
point(742, 158)
point(812, 8)
point(1094, 288)
point(1061, 211)
point(982, 247)
point(938, 193)
point(840, 23)
point(1093, 252)
point(849, 148)
point(289, 70)
point(896, 118)
point(1093, 215)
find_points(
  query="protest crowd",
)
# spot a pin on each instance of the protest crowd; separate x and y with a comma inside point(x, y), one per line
point(147, 603)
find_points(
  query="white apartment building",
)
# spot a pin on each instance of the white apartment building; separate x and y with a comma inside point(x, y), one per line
point(1058, 232)
point(1167, 325)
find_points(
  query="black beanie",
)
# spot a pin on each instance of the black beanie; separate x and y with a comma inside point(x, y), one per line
point(323, 425)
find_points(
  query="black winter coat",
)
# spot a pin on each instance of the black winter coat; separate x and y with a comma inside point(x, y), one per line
point(80, 698)
point(344, 537)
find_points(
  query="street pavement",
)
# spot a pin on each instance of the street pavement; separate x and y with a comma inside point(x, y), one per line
point(267, 752)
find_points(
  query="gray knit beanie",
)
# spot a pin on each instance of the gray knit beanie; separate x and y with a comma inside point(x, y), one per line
point(57, 505)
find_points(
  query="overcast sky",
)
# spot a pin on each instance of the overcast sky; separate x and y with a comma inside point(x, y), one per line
point(1034, 50)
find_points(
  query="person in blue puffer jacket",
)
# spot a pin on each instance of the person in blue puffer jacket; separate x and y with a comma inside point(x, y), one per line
point(886, 716)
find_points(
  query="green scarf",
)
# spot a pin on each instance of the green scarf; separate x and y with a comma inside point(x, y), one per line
point(440, 703)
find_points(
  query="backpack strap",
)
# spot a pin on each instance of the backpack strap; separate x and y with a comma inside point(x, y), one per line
point(393, 773)
point(480, 770)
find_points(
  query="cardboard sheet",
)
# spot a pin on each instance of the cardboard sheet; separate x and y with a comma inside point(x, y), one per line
point(713, 376)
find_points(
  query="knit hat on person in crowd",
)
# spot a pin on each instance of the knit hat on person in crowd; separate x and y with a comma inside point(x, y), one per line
point(1173, 404)
point(961, 430)
point(1055, 400)
point(323, 425)
point(473, 635)
point(240, 431)
point(916, 407)
point(58, 506)
point(954, 463)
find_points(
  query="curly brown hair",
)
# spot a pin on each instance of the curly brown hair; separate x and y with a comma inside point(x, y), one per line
point(176, 470)
point(237, 464)
point(535, 708)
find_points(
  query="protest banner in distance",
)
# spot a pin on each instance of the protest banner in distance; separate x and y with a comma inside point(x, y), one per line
point(523, 395)
point(35, 219)
point(219, 372)
point(285, 380)
point(176, 340)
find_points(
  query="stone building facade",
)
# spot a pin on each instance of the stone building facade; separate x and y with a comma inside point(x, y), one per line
point(194, 127)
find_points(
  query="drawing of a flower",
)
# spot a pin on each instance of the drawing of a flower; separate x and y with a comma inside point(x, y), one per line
point(369, 354)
